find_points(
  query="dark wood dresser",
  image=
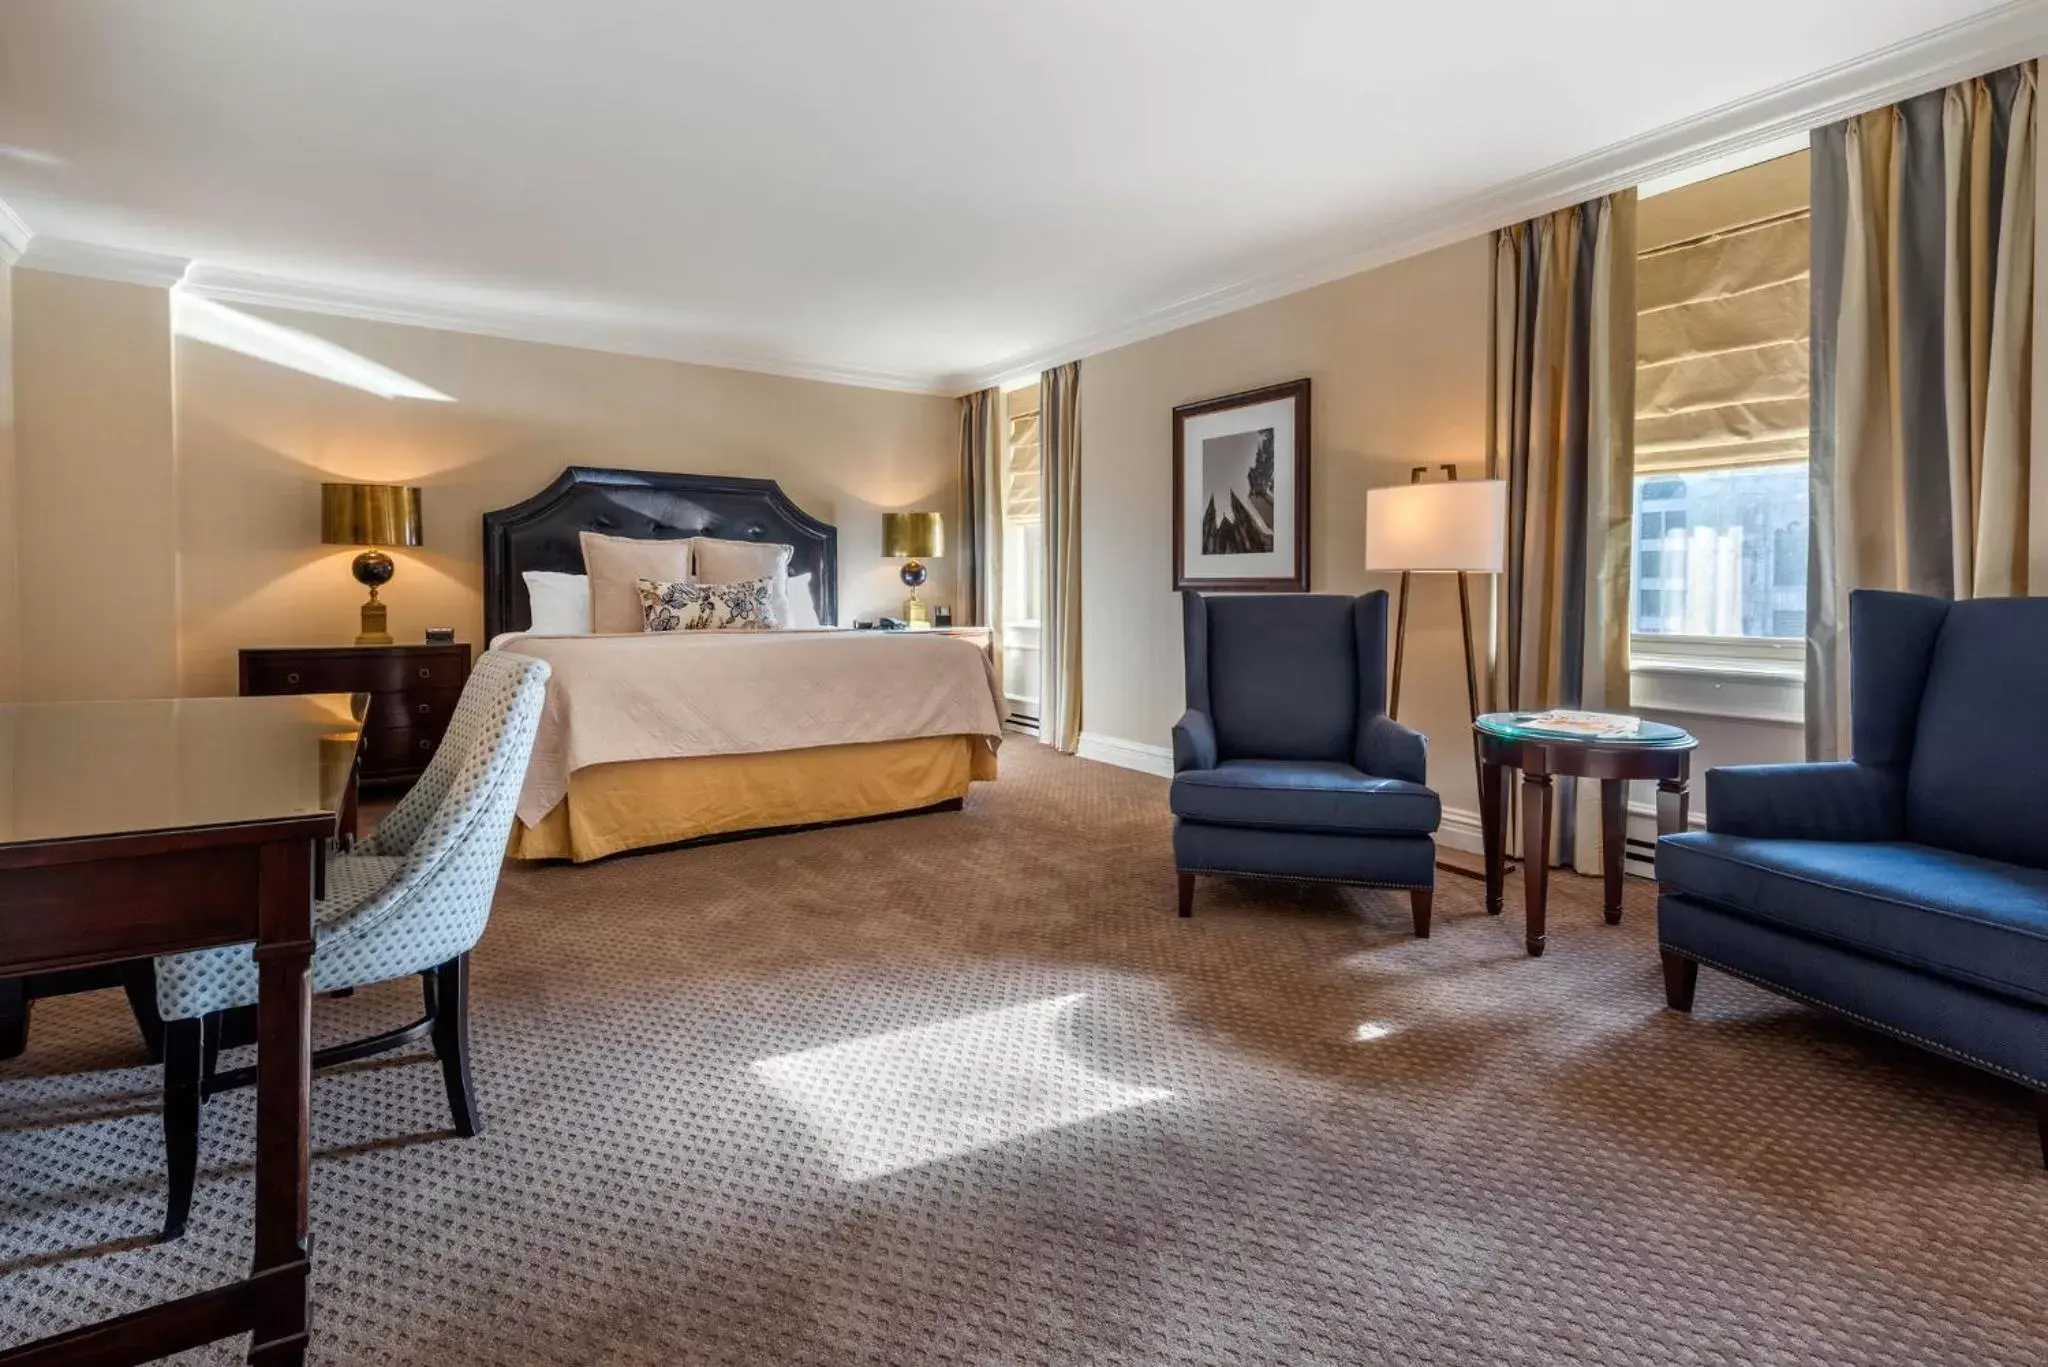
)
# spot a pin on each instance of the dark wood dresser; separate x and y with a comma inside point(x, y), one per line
point(412, 688)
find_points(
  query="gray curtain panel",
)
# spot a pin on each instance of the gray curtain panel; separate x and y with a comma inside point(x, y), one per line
point(979, 538)
point(1562, 434)
point(1923, 286)
point(1059, 430)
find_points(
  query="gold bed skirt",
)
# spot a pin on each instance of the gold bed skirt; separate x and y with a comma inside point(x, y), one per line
point(643, 803)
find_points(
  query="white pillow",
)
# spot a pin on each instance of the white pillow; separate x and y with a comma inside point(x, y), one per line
point(560, 603)
point(803, 608)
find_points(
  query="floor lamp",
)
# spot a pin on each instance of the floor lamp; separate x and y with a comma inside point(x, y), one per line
point(1452, 527)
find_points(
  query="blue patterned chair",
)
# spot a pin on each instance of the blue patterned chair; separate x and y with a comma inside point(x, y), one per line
point(1905, 888)
point(413, 898)
point(1286, 764)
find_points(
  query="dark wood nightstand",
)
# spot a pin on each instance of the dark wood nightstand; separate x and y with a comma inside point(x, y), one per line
point(413, 690)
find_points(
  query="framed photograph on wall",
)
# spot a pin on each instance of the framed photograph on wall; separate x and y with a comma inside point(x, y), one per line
point(1240, 492)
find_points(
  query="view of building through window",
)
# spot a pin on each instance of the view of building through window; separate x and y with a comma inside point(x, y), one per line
point(1721, 552)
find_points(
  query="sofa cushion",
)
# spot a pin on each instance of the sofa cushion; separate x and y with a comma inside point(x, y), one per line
point(1970, 920)
point(1304, 795)
point(1283, 675)
point(1982, 740)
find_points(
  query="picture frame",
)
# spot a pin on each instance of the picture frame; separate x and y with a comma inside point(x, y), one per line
point(1241, 491)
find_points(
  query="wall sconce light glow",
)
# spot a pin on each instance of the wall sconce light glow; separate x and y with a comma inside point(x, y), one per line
point(899, 1100)
point(1372, 1030)
point(203, 320)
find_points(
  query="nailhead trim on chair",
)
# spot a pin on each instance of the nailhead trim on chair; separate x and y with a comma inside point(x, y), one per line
point(1946, 1051)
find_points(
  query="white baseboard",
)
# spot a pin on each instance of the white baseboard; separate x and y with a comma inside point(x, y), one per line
point(1459, 830)
point(1126, 754)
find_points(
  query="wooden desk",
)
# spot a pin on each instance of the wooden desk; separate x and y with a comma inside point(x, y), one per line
point(143, 828)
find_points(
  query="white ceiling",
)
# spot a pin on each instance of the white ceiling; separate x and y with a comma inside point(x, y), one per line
point(915, 192)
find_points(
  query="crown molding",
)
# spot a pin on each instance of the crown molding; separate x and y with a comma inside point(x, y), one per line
point(66, 257)
point(15, 235)
point(2013, 32)
point(650, 336)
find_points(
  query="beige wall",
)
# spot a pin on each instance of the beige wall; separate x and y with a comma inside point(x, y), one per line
point(10, 601)
point(1398, 360)
point(95, 488)
point(256, 439)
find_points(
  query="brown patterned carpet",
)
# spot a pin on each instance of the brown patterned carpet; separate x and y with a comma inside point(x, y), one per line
point(962, 1089)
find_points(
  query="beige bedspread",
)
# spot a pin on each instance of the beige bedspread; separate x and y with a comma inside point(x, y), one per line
point(675, 695)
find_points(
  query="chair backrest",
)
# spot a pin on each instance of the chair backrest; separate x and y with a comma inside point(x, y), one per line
point(471, 788)
point(1977, 725)
point(1286, 675)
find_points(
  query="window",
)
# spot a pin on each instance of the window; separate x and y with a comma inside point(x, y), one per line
point(1023, 551)
point(1721, 552)
point(1720, 513)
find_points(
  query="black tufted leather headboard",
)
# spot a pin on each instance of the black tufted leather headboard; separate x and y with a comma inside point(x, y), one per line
point(541, 533)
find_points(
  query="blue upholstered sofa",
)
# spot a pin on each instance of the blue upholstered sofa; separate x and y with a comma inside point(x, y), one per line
point(1907, 887)
point(1286, 764)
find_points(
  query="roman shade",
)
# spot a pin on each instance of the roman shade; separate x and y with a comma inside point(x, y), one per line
point(1722, 327)
point(1020, 460)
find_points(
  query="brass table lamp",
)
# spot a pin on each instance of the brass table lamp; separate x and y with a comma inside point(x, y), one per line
point(920, 537)
point(372, 515)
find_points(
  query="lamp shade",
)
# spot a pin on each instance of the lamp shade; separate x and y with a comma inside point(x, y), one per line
point(369, 515)
point(919, 536)
point(1454, 525)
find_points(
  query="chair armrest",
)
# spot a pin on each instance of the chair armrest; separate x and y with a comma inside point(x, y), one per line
point(1194, 742)
point(1832, 801)
point(1388, 749)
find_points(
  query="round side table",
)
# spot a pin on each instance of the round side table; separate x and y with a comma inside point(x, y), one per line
point(1655, 752)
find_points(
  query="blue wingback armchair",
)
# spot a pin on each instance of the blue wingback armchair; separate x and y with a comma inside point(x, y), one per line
point(1906, 887)
point(1286, 764)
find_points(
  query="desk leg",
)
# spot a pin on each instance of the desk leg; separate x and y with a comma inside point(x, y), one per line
point(1493, 836)
point(1613, 841)
point(1535, 856)
point(1674, 805)
point(14, 1007)
point(284, 1072)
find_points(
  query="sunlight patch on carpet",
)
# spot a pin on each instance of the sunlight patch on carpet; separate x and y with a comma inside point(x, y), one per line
point(900, 1100)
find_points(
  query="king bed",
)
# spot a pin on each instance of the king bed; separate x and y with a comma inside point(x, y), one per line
point(653, 738)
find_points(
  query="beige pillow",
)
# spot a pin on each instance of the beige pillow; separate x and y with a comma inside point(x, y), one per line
point(734, 562)
point(617, 564)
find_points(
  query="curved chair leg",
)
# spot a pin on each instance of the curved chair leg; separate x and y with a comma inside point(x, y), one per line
point(184, 1049)
point(1421, 899)
point(450, 995)
point(138, 981)
point(15, 1004)
point(1187, 894)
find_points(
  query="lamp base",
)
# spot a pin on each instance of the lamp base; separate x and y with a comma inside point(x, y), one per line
point(915, 612)
point(375, 630)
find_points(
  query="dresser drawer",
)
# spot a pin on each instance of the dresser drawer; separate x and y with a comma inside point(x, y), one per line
point(413, 708)
point(400, 750)
point(352, 673)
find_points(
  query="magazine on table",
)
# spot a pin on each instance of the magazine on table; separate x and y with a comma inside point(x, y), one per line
point(1582, 725)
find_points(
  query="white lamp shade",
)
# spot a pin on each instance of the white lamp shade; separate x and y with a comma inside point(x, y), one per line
point(1452, 525)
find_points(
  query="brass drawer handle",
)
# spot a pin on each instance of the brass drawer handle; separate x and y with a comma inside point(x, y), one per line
point(425, 672)
point(425, 708)
point(426, 745)
point(291, 678)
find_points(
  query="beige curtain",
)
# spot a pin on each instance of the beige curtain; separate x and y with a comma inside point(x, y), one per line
point(1562, 421)
point(980, 537)
point(1923, 260)
point(1059, 435)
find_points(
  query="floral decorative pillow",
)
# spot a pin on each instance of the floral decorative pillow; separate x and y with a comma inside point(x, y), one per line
point(745, 606)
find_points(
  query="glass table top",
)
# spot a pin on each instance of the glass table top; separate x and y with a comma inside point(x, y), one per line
point(1649, 735)
point(74, 770)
